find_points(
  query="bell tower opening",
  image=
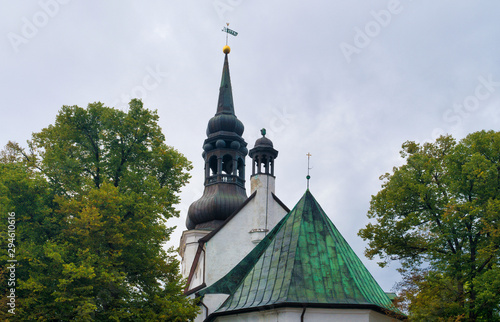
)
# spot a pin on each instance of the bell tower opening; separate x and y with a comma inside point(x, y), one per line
point(263, 155)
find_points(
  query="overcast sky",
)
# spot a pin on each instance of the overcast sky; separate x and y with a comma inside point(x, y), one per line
point(347, 81)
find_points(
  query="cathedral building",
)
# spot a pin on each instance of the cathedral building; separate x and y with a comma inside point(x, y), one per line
point(251, 258)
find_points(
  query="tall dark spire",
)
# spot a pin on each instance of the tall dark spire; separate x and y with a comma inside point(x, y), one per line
point(224, 152)
point(225, 104)
point(225, 119)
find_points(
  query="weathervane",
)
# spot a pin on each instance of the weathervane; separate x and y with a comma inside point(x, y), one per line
point(308, 168)
point(229, 31)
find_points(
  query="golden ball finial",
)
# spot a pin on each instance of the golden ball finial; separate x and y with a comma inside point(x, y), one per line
point(226, 49)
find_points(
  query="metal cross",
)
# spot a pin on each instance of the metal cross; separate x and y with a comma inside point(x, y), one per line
point(308, 168)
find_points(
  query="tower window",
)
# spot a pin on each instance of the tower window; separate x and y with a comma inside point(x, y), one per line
point(213, 165)
point(227, 164)
point(262, 164)
point(241, 168)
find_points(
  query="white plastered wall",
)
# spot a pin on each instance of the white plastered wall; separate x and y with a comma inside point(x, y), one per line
point(187, 250)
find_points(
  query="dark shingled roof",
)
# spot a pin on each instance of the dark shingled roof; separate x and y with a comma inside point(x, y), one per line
point(303, 261)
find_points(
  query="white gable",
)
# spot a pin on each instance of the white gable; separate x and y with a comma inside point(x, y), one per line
point(244, 230)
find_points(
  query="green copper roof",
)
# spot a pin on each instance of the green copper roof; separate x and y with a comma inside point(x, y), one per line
point(303, 260)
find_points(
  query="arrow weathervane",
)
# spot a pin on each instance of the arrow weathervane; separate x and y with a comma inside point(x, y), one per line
point(229, 31)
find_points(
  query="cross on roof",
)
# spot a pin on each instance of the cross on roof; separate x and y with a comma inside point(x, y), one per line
point(309, 155)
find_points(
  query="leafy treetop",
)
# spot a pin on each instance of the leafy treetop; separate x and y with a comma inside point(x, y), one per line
point(439, 215)
point(91, 196)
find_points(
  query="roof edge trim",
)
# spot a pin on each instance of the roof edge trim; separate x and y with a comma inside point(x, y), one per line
point(280, 203)
point(373, 307)
point(196, 289)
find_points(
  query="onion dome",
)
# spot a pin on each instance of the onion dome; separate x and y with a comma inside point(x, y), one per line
point(225, 119)
point(263, 141)
point(224, 122)
point(218, 202)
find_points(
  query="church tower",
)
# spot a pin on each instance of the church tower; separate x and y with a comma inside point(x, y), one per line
point(224, 224)
point(263, 180)
point(224, 152)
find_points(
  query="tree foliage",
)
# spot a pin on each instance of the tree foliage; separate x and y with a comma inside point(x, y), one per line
point(92, 195)
point(439, 215)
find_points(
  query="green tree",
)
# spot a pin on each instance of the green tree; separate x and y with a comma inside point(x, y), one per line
point(439, 215)
point(99, 186)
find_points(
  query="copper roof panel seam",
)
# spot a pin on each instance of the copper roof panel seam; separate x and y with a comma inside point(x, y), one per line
point(303, 270)
point(338, 290)
point(288, 261)
point(348, 280)
point(319, 288)
point(331, 264)
point(343, 272)
point(308, 287)
point(255, 282)
point(326, 269)
point(245, 289)
point(294, 240)
point(356, 269)
point(260, 288)
point(282, 259)
point(233, 300)
point(271, 276)
point(309, 256)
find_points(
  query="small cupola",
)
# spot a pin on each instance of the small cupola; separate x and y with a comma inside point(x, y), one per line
point(263, 155)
